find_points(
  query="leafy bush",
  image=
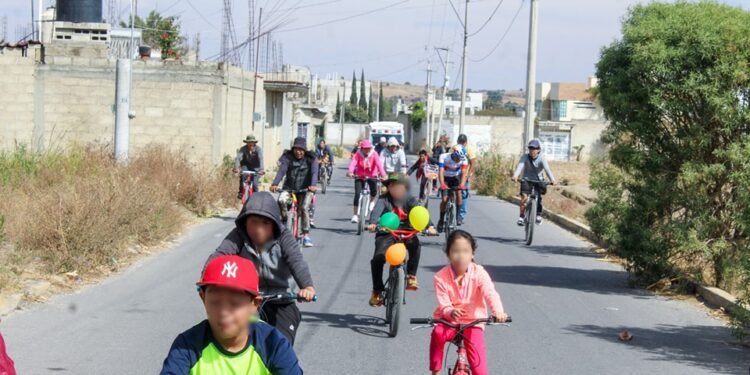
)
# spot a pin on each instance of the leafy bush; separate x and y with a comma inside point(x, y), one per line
point(493, 174)
point(676, 194)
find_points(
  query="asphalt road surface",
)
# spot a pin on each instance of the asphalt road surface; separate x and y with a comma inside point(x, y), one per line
point(568, 308)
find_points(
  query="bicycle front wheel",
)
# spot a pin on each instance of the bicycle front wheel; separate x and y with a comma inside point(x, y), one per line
point(450, 219)
point(395, 300)
point(530, 220)
point(427, 192)
point(363, 206)
point(324, 181)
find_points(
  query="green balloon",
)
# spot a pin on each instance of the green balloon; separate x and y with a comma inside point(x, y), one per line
point(390, 220)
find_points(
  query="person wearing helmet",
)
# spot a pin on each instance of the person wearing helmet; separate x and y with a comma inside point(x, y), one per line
point(299, 170)
point(471, 157)
point(394, 158)
point(398, 201)
point(260, 235)
point(452, 175)
point(229, 341)
point(366, 167)
point(381, 145)
point(532, 166)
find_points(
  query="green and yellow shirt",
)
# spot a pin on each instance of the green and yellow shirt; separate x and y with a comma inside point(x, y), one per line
point(196, 352)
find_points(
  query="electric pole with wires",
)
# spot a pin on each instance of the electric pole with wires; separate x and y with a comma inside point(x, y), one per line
point(531, 76)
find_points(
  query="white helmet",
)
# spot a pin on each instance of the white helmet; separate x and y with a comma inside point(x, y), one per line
point(393, 142)
point(382, 140)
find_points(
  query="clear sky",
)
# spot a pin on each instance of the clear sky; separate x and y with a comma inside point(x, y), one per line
point(388, 42)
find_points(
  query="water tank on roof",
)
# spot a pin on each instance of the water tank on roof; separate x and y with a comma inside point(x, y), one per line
point(80, 11)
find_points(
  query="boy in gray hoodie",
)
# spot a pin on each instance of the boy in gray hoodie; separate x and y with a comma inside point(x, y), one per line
point(260, 236)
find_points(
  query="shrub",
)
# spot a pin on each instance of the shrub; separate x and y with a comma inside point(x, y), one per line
point(493, 174)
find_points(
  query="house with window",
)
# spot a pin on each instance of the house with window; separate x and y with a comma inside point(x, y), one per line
point(567, 116)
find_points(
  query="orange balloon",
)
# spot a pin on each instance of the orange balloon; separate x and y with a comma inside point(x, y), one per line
point(396, 254)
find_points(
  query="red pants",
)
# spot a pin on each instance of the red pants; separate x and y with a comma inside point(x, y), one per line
point(473, 341)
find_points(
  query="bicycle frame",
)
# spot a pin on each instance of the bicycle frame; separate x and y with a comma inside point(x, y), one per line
point(363, 203)
point(293, 217)
point(394, 295)
point(247, 185)
point(530, 212)
point(449, 225)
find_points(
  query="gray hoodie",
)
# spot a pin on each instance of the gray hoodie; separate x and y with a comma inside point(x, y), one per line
point(281, 259)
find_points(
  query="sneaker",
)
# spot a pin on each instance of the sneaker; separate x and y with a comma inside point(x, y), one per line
point(441, 226)
point(355, 219)
point(459, 221)
point(307, 242)
point(539, 220)
point(412, 283)
point(312, 223)
point(239, 195)
point(376, 299)
point(521, 221)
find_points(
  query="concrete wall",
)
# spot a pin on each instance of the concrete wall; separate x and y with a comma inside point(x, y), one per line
point(204, 110)
point(588, 134)
point(352, 133)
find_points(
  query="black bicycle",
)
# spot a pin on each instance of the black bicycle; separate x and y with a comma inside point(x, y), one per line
point(394, 295)
point(532, 203)
point(451, 211)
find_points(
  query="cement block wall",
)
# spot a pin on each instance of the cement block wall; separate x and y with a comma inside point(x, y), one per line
point(17, 77)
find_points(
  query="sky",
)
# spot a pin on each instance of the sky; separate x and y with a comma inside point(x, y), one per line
point(392, 40)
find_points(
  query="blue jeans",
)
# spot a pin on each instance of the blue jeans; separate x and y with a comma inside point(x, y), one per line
point(464, 209)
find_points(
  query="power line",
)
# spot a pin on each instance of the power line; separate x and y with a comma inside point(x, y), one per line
point(346, 18)
point(504, 34)
point(456, 12)
point(201, 15)
point(488, 19)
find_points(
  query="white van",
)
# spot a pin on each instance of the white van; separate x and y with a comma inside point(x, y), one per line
point(386, 129)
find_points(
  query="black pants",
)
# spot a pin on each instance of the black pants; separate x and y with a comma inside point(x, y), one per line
point(422, 183)
point(382, 242)
point(359, 185)
point(284, 316)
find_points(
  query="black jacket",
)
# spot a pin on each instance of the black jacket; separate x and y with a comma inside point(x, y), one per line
point(297, 174)
point(387, 204)
point(280, 260)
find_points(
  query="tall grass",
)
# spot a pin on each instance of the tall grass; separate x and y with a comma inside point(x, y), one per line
point(493, 176)
point(78, 211)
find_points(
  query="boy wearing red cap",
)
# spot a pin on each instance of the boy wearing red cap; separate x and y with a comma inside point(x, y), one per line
point(226, 343)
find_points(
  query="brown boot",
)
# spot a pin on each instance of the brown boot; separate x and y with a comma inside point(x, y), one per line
point(412, 283)
point(376, 299)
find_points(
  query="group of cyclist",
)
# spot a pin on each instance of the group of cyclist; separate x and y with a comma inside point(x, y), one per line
point(260, 257)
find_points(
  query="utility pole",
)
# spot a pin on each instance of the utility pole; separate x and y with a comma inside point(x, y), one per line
point(343, 114)
point(40, 11)
point(255, 80)
point(122, 109)
point(4, 29)
point(462, 116)
point(428, 106)
point(446, 83)
point(531, 75)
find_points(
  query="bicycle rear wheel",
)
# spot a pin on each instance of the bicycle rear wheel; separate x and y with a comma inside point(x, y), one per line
point(450, 218)
point(395, 300)
point(363, 206)
point(324, 181)
point(530, 220)
point(427, 192)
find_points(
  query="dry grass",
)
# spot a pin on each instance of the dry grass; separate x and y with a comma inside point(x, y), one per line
point(77, 211)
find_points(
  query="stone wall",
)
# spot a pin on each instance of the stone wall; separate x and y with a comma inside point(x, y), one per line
point(204, 110)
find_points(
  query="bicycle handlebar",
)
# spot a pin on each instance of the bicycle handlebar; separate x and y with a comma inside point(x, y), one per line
point(252, 173)
point(402, 234)
point(286, 297)
point(539, 182)
point(433, 321)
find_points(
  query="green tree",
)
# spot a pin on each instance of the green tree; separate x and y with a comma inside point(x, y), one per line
point(381, 104)
point(338, 106)
point(371, 108)
point(355, 113)
point(362, 92)
point(676, 195)
point(353, 96)
point(161, 32)
point(417, 115)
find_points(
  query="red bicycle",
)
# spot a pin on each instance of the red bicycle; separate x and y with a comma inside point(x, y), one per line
point(294, 215)
point(248, 184)
point(462, 361)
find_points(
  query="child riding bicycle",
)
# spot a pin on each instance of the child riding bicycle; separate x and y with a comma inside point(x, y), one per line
point(464, 292)
point(452, 175)
point(532, 166)
point(419, 167)
point(398, 201)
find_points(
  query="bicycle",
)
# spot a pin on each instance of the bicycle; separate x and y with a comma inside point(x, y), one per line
point(531, 207)
point(293, 217)
point(285, 297)
point(325, 177)
point(462, 361)
point(248, 184)
point(394, 294)
point(364, 202)
point(451, 212)
point(431, 174)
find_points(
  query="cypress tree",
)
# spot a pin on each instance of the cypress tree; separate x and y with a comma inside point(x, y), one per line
point(353, 97)
point(371, 108)
point(362, 92)
point(381, 104)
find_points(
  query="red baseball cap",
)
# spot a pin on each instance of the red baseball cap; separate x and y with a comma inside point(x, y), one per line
point(231, 271)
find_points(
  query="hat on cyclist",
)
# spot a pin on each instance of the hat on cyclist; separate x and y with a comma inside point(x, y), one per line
point(300, 142)
point(365, 144)
point(231, 271)
point(382, 140)
point(393, 142)
point(397, 179)
point(462, 138)
point(534, 144)
point(250, 139)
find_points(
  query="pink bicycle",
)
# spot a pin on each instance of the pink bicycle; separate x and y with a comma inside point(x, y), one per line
point(462, 361)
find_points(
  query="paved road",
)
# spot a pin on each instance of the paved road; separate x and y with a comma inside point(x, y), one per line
point(567, 305)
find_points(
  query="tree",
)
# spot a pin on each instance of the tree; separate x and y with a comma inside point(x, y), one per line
point(371, 108)
point(362, 92)
point(417, 115)
point(353, 97)
point(675, 197)
point(381, 104)
point(161, 32)
point(355, 113)
point(338, 106)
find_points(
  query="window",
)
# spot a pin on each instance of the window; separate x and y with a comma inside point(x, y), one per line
point(555, 145)
point(559, 109)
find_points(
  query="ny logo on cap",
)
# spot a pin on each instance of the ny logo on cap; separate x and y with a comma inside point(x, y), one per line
point(230, 270)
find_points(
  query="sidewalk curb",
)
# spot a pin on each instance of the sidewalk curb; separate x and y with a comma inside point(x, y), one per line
point(714, 297)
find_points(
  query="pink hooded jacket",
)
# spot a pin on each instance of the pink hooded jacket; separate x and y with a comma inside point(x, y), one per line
point(370, 166)
point(477, 294)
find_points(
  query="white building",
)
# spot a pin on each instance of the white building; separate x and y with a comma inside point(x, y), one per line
point(452, 107)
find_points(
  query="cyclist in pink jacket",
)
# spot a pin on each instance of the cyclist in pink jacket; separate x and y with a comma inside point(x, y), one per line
point(367, 167)
point(464, 292)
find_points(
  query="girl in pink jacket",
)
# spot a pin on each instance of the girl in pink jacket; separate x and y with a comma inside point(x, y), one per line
point(464, 291)
point(366, 166)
